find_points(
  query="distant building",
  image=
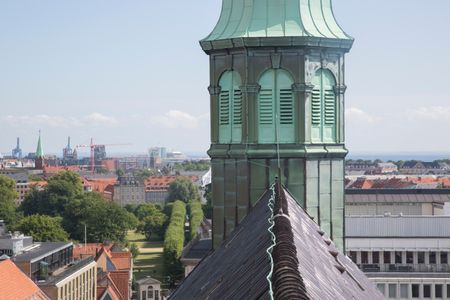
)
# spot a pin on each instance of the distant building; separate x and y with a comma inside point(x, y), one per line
point(376, 202)
point(197, 248)
point(386, 168)
point(149, 288)
point(114, 268)
point(129, 190)
point(22, 185)
point(39, 161)
point(424, 168)
point(406, 256)
point(74, 281)
point(17, 152)
point(69, 155)
point(358, 167)
point(157, 187)
point(14, 284)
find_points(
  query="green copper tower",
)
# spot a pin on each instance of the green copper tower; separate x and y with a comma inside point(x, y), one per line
point(277, 102)
point(39, 160)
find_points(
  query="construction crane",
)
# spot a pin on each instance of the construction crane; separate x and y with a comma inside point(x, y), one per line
point(93, 146)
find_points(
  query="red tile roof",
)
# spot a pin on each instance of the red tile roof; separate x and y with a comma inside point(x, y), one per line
point(122, 260)
point(14, 284)
point(121, 280)
point(91, 249)
point(162, 182)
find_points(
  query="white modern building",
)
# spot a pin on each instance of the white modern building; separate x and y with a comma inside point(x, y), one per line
point(406, 256)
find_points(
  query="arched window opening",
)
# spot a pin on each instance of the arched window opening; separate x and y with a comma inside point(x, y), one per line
point(323, 108)
point(276, 108)
point(230, 108)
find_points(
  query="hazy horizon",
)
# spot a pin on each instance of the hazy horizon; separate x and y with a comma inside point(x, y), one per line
point(133, 72)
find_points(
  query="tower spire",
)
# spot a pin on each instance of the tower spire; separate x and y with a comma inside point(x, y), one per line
point(39, 150)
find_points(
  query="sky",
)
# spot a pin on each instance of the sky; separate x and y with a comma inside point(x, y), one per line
point(133, 72)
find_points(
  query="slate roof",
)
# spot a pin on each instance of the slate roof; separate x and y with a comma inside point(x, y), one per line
point(44, 249)
point(305, 262)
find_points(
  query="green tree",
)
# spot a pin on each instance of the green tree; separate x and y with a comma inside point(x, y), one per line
point(105, 221)
point(134, 249)
point(183, 189)
point(8, 194)
point(62, 189)
point(43, 228)
point(195, 217)
point(154, 224)
point(174, 242)
point(143, 174)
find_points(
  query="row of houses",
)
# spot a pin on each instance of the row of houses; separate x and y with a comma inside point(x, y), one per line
point(407, 168)
point(62, 270)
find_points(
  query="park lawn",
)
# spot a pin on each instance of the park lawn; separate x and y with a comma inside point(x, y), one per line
point(150, 260)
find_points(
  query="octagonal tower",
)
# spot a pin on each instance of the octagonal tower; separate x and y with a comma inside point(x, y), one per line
point(277, 102)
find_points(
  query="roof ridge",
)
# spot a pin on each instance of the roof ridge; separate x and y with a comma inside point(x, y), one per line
point(286, 279)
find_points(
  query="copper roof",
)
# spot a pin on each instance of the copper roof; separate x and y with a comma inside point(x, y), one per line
point(305, 262)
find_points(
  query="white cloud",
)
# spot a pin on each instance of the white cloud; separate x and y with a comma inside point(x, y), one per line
point(178, 119)
point(100, 119)
point(432, 113)
point(44, 120)
point(358, 115)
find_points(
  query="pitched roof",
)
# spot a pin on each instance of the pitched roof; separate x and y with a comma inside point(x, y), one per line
point(121, 281)
point(14, 284)
point(305, 262)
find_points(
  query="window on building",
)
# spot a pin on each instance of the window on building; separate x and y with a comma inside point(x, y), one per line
point(375, 257)
point(427, 291)
point(444, 258)
point(415, 290)
point(382, 288)
point(438, 291)
point(150, 292)
point(448, 290)
point(364, 257)
point(432, 258)
point(398, 257)
point(387, 257)
point(230, 108)
point(353, 256)
point(421, 257)
point(404, 289)
point(409, 258)
point(323, 107)
point(144, 295)
point(393, 291)
point(276, 108)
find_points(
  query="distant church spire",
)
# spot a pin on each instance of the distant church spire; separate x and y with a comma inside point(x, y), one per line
point(39, 162)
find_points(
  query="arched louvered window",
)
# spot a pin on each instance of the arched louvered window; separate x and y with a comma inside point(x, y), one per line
point(276, 117)
point(323, 108)
point(230, 108)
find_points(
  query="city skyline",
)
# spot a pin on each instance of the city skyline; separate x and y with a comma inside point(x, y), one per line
point(94, 70)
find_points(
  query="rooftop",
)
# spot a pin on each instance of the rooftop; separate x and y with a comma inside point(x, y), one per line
point(277, 18)
point(14, 284)
point(42, 250)
point(277, 249)
point(397, 196)
point(67, 271)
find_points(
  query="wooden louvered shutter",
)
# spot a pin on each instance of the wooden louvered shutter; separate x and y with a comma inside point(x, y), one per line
point(316, 107)
point(330, 109)
point(286, 107)
point(224, 108)
point(266, 107)
point(230, 108)
point(236, 135)
point(323, 108)
point(237, 107)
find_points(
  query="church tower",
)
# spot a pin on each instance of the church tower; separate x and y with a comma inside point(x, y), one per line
point(39, 160)
point(277, 102)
